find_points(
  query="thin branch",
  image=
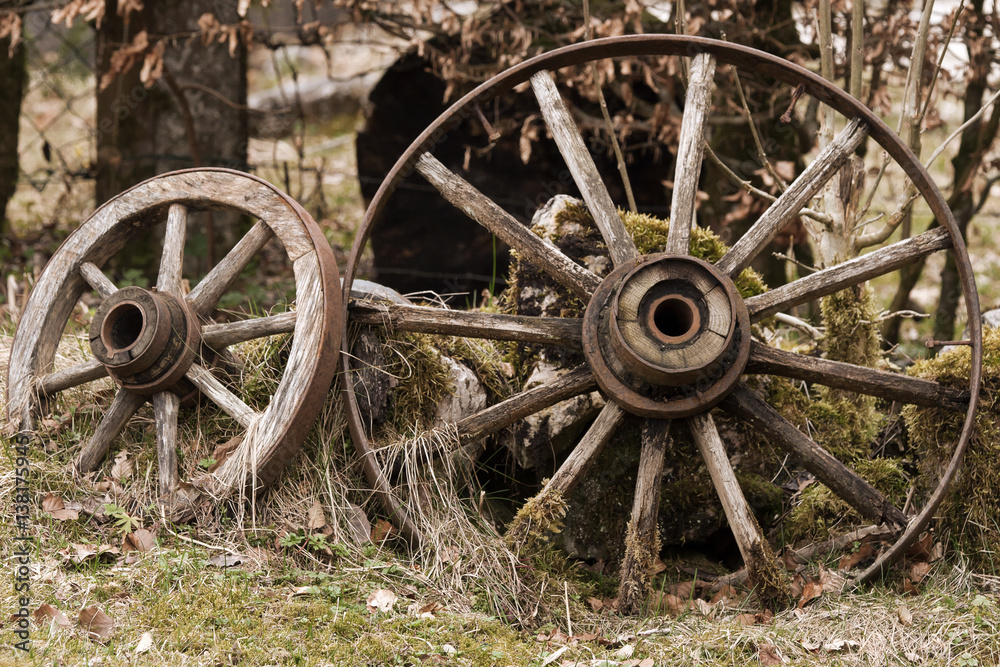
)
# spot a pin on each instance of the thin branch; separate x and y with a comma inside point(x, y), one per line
point(961, 128)
point(761, 155)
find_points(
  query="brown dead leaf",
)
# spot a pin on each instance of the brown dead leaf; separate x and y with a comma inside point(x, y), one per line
point(905, 615)
point(648, 662)
point(727, 592)
point(668, 604)
point(139, 540)
point(918, 571)
point(811, 591)
point(98, 625)
point(909, 588)
point(46, 613)
point(682, 589)
point(145, 643)
point(657, 566)
point(745, 619)
point(595, 604)
point(865, 552)
point(227, 559)
point(224, 451)
point(360, 527)
point(121, 470)
point(922, 549)
point(77, 554)
point(316, 516)
point(382, 600)
point(55, 506)
point(382, 530)
point(768, 654)
point(830, 581)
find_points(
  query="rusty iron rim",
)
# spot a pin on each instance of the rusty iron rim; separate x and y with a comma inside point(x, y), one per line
point(727, 53)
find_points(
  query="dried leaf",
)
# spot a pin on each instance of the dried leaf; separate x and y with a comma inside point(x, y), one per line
point(46, 613)
point(811, 591)
point(625, 652)
point(98, 625)
point(905, 615)
point(139, 540)
point(595, 604)
point(77, 554)
point(382, 530)
point(227, 559)
point(648, 662)
point(55, 506)
point(657, 566)
point(922, 549)
point(316, 516)
point(10, 26)
point(682, 589)
point(831, 581)
point(554, 656)
point(840, 645)
point(745, 619)
point(865, 552)
point(145, 643)
point(918, 571)
point(381, 600)
point(121, 470)
point(668, 604)
point(360, 527)
point(768, 654)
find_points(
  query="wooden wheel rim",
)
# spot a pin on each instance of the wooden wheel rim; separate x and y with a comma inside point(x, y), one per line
point(317, 329)
point(728, 53)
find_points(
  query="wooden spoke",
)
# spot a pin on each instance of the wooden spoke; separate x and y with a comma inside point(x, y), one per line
point(581, 166)
point(641, 542)
point(55, 382)
point(744, 404)
point(483, 210)
point(791, 201)
point(519, 406)
point(166, 405)
point(840, 375)
point(754, 548)
point(211, 288)
point(124, 405)
point(690, 152)
point(852, 272)
point(218, 336)
point(172, 259)
point(218, 394)
point(96, 279)
point(495, 326)
point(578, 462)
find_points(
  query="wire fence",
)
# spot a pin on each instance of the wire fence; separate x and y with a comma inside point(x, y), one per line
point(303, 103)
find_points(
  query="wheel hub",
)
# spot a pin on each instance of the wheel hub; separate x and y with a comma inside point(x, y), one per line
point(666, 336)
point(146, 339)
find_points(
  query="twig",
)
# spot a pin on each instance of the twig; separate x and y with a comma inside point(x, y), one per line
point(940, 62)
point(756, 137)
point(792, 260)
point(961, 128)
point(749, 188)
point(569, 621)
point(857, 47)
point(801, 325)
point(607, 116)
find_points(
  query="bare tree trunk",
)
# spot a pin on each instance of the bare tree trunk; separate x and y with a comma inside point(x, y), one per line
point(194, 116)
point(12, 76)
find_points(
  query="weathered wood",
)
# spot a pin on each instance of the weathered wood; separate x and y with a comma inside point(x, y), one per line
point(641, 543)
point(519, 406)
point(744, 404)
point(791, 201)
point(495, 326)
point(210, 289)
point(840, 375)
point(690, 153)
point(166, 406)
point(529, 245)
point(580, 459)
point(172, 260)
point(88, 371)
point(852, 272)
point(741, 519)
point(218, 336)
point(96, 279)
point(581, 166)
point(221, 396)
point(124, 405)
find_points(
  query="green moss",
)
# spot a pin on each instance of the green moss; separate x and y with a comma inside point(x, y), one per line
point(971, 508)
point(423, 379)
point(821, 513)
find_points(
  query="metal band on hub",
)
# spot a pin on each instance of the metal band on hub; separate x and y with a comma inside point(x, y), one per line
point(146, 339)
point(667, 335)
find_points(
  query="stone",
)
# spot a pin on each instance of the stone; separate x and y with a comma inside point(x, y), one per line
point(467, 397)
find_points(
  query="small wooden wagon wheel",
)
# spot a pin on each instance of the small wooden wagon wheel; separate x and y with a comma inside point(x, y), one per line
point(149, 340)
point(667, 336)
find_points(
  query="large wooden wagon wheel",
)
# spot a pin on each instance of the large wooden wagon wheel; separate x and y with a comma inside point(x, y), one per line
point(150, 340)
point(666, 336)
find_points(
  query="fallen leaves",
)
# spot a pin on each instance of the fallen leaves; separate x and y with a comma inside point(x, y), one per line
point(98, 625)
point(228, 559)
point(59, 509)
point(139, 540)
point(46, 613)
point(78, 554)
point(382, 600)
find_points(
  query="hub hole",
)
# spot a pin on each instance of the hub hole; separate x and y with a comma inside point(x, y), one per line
point(123, 326)
point(673, 318)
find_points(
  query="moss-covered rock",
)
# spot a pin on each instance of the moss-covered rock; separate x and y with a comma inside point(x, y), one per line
point(972, 505)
